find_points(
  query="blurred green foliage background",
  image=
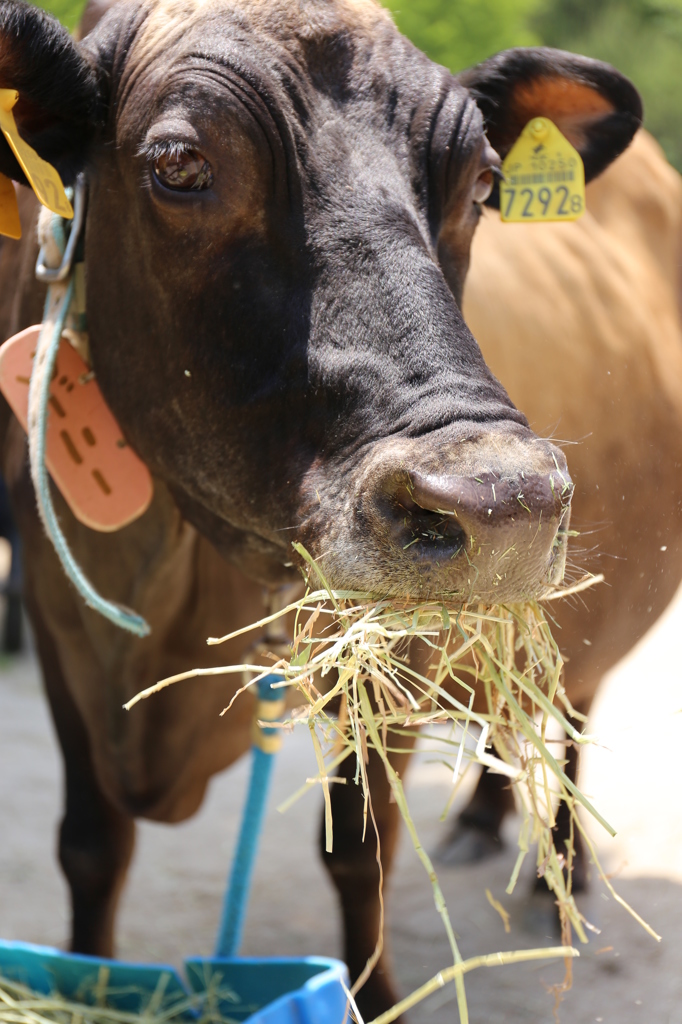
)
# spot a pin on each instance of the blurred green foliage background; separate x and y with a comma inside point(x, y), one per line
point(643, 38)
point(68, 11)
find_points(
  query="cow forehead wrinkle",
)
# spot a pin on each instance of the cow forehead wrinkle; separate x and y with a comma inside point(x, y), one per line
point(160, 103)
point(278, 32)
point(199, 71)
point(273, 90)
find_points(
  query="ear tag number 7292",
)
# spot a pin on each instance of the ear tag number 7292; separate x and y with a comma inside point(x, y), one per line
point(544, 177)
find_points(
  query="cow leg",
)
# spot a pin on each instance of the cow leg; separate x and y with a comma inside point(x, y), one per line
point(476, 833)
point(12, 626)
point(354, 870)
point(562, 828)
point(10, 641)
point(95, 839)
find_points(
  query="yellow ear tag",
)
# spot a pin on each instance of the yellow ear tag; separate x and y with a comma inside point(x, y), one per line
point(42, 176)
point(544, 177)
point(10, 224)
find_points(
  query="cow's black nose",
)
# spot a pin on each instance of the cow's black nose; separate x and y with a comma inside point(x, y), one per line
point(494, 522)
point(476, 514)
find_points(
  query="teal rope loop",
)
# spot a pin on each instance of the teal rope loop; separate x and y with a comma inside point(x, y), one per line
point(38, 396)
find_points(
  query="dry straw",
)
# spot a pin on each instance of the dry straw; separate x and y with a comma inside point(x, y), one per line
point(353, 653)
point(92, 1005)
point(350, 665)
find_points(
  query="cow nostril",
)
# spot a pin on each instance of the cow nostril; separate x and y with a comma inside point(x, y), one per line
point(426, 531)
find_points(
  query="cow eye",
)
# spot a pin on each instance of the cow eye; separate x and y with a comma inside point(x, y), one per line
point(483, 186)
point(183, 170)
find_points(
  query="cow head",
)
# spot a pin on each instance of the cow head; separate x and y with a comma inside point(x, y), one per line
point(282, 198)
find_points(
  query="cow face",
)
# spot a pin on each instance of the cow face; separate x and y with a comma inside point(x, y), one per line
point(282, 198)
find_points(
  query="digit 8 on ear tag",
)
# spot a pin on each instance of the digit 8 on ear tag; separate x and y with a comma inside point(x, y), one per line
point(544, 177)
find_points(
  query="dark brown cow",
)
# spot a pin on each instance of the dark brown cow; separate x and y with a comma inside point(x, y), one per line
point(282, 198)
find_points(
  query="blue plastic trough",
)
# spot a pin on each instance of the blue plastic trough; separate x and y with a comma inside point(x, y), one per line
point(309, 990)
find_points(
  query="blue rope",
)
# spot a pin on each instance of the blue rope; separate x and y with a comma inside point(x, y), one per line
point(39, 393)
point(237, 895)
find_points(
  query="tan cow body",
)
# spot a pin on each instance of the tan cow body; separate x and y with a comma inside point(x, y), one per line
point(581, 323)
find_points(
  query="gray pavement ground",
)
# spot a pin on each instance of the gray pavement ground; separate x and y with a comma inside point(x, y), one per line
point(171, 904)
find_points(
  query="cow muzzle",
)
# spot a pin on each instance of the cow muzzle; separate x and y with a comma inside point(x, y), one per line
point(507, 531)
point(487, 520)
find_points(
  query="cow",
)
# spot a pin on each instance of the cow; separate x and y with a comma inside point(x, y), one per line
point(605, 374)
point(282, 198)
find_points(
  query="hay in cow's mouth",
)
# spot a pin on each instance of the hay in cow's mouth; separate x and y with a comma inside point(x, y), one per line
point(506, 654)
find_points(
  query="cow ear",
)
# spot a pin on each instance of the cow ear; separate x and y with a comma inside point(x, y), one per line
point(593, 105)
point(59, 105)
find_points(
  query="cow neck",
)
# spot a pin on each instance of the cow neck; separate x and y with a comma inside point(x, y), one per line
point(64, 315)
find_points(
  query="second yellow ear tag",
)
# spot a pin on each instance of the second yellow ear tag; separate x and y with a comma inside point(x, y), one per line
point(10, 224)
point(42, 176)
point(544, 177)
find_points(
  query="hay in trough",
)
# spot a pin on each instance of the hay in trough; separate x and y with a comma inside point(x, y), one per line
point(495, 674)
point(99, 1003)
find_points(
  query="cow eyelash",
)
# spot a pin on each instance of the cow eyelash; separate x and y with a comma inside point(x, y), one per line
point(155, 150)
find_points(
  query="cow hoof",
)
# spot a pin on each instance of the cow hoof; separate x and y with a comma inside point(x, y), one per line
point(12, 630)
point(468, 844)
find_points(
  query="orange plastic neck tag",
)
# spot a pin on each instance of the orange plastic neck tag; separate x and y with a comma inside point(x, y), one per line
point(544, 177)
point(104, 483)
point(42, 176)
